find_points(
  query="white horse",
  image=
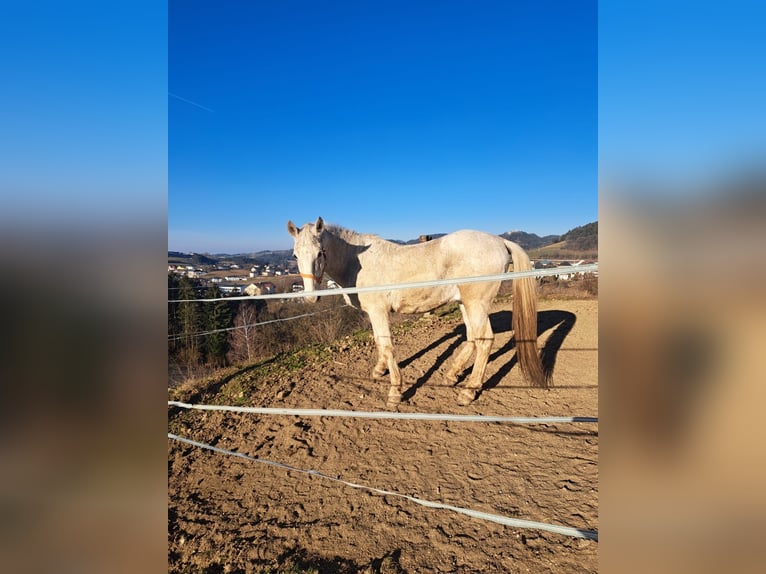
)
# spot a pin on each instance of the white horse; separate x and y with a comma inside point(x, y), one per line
point(359, 260)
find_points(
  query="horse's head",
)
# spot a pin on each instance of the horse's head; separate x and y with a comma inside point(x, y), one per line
point(309, 252)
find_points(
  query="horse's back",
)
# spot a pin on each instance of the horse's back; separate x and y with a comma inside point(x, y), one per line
point(464, 253)
point(468, 252)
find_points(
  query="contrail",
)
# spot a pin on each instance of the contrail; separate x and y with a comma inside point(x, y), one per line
point(190, 102)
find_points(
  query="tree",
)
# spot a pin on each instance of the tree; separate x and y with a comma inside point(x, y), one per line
point(582, 238)
point(218, 315)
point(173, 328)
point(243, 338)
point(189, 322)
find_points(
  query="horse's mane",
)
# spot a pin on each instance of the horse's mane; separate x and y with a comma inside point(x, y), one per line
point(351, 236)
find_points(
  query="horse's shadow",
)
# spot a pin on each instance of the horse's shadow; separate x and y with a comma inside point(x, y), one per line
point(561, 321)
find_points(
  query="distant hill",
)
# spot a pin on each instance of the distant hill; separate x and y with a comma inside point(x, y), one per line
point(529, 240)
point(526, 240)
point(577, 243)
point(190, 258)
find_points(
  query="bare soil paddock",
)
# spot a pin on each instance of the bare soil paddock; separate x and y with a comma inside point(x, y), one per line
point(227, 514)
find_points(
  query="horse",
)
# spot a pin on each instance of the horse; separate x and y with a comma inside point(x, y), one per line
point(353, 259)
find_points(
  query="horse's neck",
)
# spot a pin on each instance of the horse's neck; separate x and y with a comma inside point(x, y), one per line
point(342, 260)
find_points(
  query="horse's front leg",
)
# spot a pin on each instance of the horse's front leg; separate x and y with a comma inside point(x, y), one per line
point(459, 361)
point(381, 366)
point(387, 352)
point(382, 331)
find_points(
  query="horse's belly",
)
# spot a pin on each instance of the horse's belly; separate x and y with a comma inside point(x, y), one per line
point(422, 300)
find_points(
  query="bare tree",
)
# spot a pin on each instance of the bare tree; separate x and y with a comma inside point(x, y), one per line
point(243, 336)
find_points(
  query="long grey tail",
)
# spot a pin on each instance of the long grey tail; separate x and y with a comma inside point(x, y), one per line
point(525, 320)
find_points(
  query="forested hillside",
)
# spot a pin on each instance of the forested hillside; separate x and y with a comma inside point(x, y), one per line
point(529, 240)
point(583, 238)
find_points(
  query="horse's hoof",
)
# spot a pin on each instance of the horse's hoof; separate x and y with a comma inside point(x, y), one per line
point(376, 374)
point(394, 398)
point(466, 397)
point(451, 378)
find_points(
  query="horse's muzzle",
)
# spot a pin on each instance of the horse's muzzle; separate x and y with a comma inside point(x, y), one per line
point(308, 286)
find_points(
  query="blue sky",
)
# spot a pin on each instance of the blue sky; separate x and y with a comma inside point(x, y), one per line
point(470, 115)
point(396, 118)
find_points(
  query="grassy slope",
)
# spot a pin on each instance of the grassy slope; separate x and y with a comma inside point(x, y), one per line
point(559, 251)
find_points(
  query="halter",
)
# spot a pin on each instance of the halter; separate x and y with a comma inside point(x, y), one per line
point(311, 276)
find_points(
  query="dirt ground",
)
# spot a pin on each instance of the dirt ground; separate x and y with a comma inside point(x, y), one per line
point(228, 514)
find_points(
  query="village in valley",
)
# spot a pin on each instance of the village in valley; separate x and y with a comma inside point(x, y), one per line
point(241, 278)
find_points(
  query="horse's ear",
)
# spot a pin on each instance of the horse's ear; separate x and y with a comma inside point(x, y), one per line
point(291, 229)
point(319, 225)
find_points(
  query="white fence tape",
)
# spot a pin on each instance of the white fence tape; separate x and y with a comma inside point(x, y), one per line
point(385, 415)
point(569, 270)
point(282, 320)
point(505, 520)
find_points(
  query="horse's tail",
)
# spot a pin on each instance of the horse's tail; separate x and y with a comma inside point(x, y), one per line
point(525, 320)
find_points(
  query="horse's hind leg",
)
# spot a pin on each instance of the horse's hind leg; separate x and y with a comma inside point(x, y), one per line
point(463, 353)
point(478, 318)
point(384, 343)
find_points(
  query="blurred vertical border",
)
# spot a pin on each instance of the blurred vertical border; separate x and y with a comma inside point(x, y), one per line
point(682, 201)
point(83, 173)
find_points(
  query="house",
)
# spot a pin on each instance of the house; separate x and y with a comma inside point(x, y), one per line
point(572, 272)
point(253, 289)
point(564, 276)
